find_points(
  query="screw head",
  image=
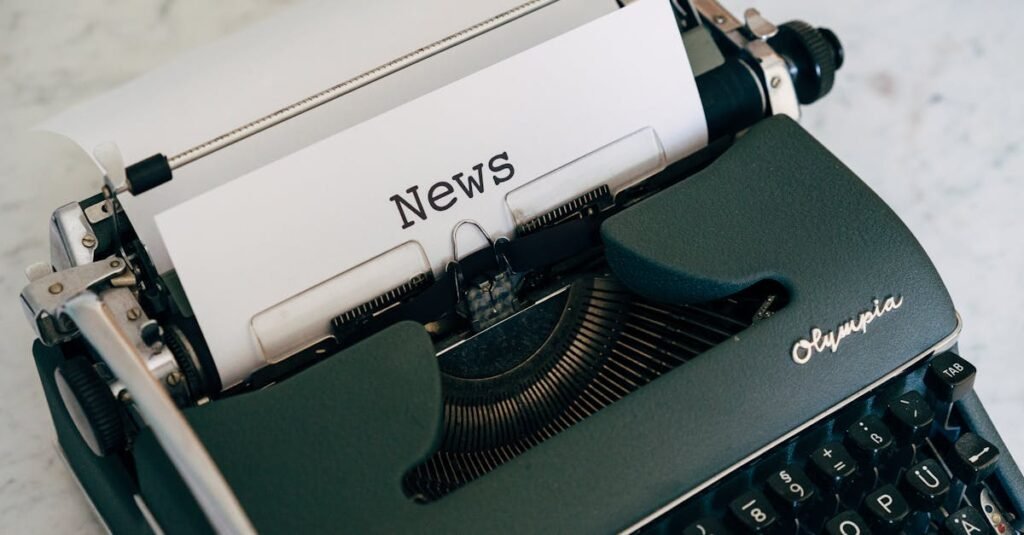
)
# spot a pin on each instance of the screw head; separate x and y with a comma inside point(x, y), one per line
point(719, 19)
point(115, 263)
point(134, 314)
point(89, 241)
point(776, 81)
point(56, 288)
point(174, 378)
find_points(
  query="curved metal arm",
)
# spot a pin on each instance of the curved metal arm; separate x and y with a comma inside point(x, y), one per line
point(178, 439)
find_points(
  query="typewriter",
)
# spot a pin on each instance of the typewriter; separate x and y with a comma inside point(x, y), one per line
point(747, 340)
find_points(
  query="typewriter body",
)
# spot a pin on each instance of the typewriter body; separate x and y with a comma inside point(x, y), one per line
point(746, 341)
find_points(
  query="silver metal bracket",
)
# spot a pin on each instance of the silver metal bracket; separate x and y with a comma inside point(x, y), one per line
point(111, 280)
point(781, 91)
point(72, 240)
point(44, 296)
point(752, 36)
point(758, 26)
point(99, 211)
point(723, 20)
point(145, 335)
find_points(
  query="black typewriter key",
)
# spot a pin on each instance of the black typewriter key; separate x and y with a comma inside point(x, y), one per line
point(950, 376)
point(753, 512)
point(910, 417)
point(973, 458)
point(869, 440)
point(886, 509)
point(966, 521)
point(926, 485)
point(707, 526)
point(847, 523)
point(833, 467)
point(791, 488)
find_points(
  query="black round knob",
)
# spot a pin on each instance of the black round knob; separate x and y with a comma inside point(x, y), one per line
point(837, 47)
point(176, 342)
point(813, 54)
point(91, 405)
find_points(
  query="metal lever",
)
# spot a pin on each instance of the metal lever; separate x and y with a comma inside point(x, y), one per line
point(46, 293)
point(211, 490)
point(752, 36)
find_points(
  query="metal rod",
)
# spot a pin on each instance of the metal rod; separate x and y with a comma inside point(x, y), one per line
point(327, 95)
point(184, 448)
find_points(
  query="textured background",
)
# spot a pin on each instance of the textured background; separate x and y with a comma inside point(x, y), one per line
point(926, 110)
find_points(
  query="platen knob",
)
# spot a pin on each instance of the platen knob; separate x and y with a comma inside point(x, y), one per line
point(177, 343)
point(91, 404)
point(814, 55)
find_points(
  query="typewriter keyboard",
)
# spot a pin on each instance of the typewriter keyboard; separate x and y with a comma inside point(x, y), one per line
point(898, 460)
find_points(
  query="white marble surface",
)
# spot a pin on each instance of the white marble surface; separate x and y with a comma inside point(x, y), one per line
point(927, 110)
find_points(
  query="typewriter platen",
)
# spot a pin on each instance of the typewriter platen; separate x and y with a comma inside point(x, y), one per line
point(747, 341)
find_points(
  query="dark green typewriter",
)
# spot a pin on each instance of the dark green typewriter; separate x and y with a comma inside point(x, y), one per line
point(747, 340)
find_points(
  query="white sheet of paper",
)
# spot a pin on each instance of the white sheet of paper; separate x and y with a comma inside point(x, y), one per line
point(283, 228)
point(298, 52)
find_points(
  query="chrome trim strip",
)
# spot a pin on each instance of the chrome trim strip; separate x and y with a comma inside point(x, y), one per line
point(940, 346)
point(147, 514)
point(411, 58)
point(186, 452)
